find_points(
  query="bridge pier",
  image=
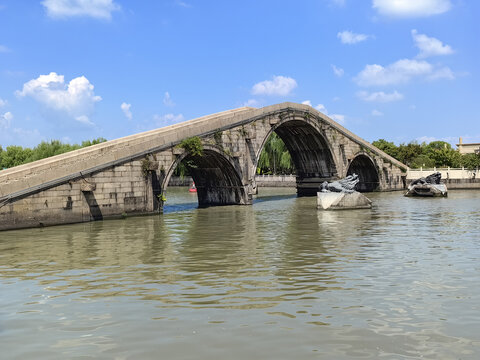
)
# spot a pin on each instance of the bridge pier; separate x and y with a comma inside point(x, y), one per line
point(310, 186)
point(218, 196)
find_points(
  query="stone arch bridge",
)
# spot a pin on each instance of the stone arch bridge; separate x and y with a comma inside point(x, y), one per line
point(130, 175)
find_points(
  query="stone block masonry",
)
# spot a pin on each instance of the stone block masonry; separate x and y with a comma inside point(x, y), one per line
point(103, 195)
point(130, 175)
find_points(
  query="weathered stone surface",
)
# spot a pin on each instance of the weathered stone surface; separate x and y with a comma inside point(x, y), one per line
point(86, 187)
point(342, 201)
point(326, 199)
point(50, 191)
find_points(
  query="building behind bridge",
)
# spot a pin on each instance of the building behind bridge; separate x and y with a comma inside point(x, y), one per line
point(473, 148)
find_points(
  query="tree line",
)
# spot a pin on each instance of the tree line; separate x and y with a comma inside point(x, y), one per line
point(433, 154)
point(17, 155)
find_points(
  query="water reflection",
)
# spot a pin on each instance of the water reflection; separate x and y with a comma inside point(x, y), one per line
point(399, 280)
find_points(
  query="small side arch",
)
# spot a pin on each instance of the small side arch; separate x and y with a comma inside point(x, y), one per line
point(364, 166)
point(217, 180)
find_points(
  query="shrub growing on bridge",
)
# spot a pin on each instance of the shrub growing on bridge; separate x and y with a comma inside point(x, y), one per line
point(193, 146)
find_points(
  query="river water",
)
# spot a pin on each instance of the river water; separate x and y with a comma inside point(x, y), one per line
point(276, 280)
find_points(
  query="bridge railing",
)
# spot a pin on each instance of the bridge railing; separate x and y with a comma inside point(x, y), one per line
point(447, 173)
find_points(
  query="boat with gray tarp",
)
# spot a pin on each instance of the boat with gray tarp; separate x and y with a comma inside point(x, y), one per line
point(431, 185)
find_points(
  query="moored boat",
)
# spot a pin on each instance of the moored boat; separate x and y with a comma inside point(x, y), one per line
point(428, 186)
point(192, 188)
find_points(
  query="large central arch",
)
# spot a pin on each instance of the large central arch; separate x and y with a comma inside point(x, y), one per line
point(310, 151)
point(216, 179)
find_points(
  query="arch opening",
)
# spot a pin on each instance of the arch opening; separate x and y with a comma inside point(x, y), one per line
point(275, 158)
point(367, 173)
point(310, 154)
point(216, 180)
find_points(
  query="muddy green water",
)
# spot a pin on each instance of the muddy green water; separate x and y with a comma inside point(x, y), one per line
point(276, 280)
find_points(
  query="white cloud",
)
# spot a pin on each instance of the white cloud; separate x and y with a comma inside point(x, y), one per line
point(33, 135)
point(375, 112)
point(338, 118)
point(280, 85)
point(348, 37)
point(4, 49)
point(2, 102)
point(167, 119)
point(5, 120)
point(428, 139)
point(338, 71)
point(20, 137)
point(411, 8)
point(401, 71)
point(126, 110)
point(320, 107)
point(77, 99)
point(430, 46)
point(167, 100)
point(84, 120)
point(251, 103)
point(380, 96)
point(100, 9)
point(442, 73)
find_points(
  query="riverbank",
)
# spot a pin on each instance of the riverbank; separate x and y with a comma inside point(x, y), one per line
point(454, 178)
point(261, 180)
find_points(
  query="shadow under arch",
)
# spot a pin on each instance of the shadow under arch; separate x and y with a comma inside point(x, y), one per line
point(217, 180)
point(310, 152)
point(365, 168)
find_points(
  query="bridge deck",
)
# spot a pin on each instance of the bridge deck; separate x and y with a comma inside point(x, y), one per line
point(57, 169)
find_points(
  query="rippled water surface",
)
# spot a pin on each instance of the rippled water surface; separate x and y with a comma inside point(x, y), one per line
point(276, 280)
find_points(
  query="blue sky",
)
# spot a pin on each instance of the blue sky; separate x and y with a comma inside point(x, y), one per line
point(400, 70)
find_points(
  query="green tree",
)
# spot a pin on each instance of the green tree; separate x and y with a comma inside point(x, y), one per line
point(275, 157)
point(17, 155)
point(422, 161)
point(436, 153)
point(408, 152)
point(48, 149)
point(471, 161)
point(93, 142)
point(14, 156)
point(442, 154)
point(387, 147)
